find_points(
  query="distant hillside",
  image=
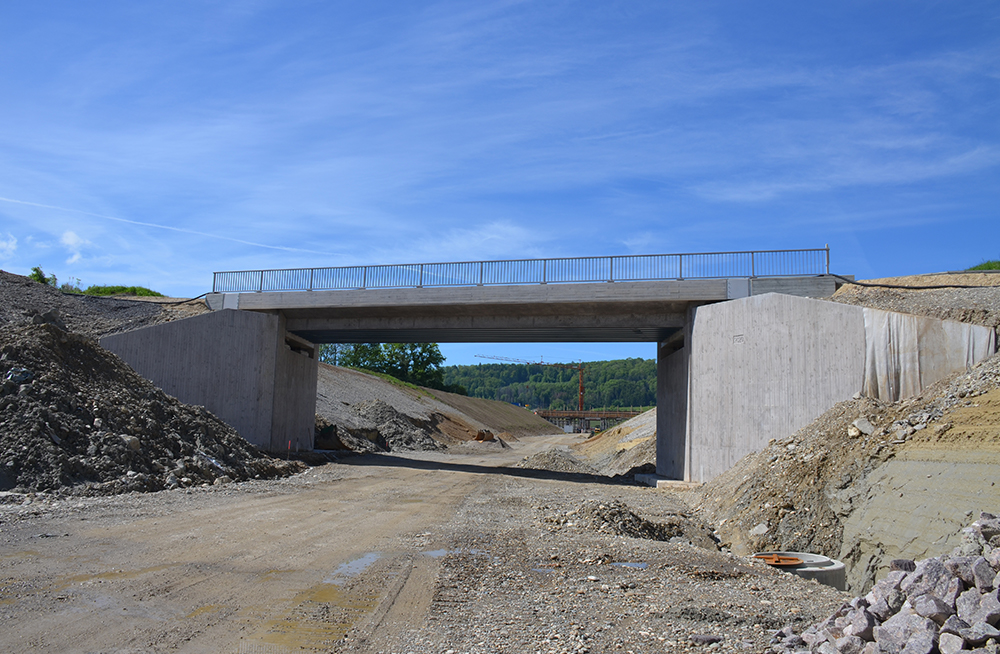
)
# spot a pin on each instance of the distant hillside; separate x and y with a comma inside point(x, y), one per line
point(608, 384)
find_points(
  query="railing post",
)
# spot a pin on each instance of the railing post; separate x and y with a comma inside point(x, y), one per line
point(420, 283)
point(311, 271)
point(680, 266)
point(611, 269)
point(753, 265)
point(364, 277)
point(545, 263)
point(827, 258)
point(260, 287)
point(481, 264)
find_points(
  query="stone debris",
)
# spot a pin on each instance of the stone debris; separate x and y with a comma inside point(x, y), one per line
point(616, 518)
point(557, 461)
point(396, 430)
point(944, 604)
point(74, 419)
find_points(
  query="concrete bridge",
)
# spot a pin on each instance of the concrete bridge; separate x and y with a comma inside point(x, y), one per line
point(256, 366)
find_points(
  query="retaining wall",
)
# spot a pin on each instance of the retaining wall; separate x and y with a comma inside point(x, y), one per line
point(240, 365)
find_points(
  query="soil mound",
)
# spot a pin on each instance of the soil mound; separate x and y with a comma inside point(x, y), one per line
point(24, 302)
point(396, 429)
point(75, 419)
point(623, 449)
point(556, 461)
point(616, 517)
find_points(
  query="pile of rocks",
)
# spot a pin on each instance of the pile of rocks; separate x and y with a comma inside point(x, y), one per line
point(75, 419)
point(944, 604)
point(396, 430)
point(617, 518)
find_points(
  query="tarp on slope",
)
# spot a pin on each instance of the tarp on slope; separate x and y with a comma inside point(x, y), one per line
point(906, 353)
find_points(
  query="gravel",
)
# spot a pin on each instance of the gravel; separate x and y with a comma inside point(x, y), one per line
point(978, 306)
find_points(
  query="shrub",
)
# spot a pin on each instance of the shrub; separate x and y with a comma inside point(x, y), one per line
point(139, 291)
point(39, 276)
point(987, 265)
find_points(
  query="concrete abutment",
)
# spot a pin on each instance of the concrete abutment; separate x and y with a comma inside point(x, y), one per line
point(243, 366)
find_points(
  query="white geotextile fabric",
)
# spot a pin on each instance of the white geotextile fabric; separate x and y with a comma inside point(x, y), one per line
point(904, 353)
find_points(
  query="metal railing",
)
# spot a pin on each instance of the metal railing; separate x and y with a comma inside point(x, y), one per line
point(631, 268)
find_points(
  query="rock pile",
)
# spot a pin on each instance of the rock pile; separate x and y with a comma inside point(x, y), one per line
point(616, 517)
point(75, 419)
point(397, 431)
point(944, 604)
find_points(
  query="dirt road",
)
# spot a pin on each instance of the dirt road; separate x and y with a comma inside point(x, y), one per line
point(430, 553)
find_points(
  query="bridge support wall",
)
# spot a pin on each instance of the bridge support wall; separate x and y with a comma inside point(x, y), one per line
point(671, 408)
point(242, 366)
point(763, 367)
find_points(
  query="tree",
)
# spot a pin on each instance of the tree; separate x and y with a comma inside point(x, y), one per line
point(332, 353)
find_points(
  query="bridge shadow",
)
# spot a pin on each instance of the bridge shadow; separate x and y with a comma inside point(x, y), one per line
point(362, 460)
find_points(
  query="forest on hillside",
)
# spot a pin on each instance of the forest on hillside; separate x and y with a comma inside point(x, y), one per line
point(622, 383)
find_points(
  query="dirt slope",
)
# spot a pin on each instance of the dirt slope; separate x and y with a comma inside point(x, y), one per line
point(342, 402)
point(625, 447)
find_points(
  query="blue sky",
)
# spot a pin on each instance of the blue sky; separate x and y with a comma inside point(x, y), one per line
point(155, 143)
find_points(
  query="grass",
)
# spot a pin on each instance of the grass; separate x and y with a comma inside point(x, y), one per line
point(987, 265)
point(138, 291)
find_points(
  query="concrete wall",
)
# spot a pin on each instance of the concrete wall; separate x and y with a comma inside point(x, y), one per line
point(765, 366)
point(762, 367)
point(671, 412)
point(236, 364)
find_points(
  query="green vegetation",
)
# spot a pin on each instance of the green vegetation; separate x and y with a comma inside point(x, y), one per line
point(607, 384)
point(38, 275)
point(138, 291)
point(987, 265)
point(413, 363)
point(73, 286)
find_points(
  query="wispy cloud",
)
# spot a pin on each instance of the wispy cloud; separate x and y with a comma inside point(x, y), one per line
point(8, 245)
point(75, 244)
point(163, 227)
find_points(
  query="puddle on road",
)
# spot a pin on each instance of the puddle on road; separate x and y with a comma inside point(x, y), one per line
point(202, 610)
point(318, 618)
point(352, 568)
point(437, 554)
point(112, 575)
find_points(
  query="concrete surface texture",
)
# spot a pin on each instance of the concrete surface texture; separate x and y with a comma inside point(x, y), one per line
point(621, 311)
point(765, 366)
point(237, 364)
point(762, 367)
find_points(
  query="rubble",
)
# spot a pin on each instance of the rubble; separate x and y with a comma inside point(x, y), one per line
point(74, 419)
point(943, 604)
point(396, 430)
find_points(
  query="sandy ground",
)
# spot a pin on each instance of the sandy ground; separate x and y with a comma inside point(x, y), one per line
point(432, 552)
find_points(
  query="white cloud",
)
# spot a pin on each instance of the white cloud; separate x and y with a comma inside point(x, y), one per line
point(7, 246)
point(74, 244)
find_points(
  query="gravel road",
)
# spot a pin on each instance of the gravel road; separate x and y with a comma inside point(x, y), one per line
point(423, 552)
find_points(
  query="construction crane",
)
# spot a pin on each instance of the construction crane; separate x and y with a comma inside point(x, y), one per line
point(578, 367)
